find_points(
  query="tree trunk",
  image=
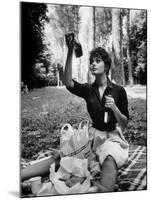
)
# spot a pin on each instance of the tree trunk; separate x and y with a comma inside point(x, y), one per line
point(130, 76)
point(58, 78)
point(93, 26)
point(121, 48)
point(86, 29)
point(116, 34)
point(89, 75)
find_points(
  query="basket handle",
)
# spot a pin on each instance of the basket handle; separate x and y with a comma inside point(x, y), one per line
point(82, 124)
point(68, 126)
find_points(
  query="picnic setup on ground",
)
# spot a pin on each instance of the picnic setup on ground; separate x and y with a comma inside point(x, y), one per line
point(75, 168)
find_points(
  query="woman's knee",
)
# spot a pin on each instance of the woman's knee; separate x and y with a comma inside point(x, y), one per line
point(109, 158)
point(110, 162)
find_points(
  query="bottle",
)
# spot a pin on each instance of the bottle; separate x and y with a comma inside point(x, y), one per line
point(106, 113)
point(106, 116)
point(71, 41)
point(78, 49)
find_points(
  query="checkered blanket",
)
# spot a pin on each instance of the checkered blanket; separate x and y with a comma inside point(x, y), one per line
point(132, 176)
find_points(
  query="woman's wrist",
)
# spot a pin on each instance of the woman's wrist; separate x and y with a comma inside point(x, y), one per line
point(122, 121)
point(115, 109)
point(70, 50)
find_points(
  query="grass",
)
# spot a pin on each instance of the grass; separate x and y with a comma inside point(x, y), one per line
point(44, 111)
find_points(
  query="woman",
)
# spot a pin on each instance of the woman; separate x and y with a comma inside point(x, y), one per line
point(107, 106)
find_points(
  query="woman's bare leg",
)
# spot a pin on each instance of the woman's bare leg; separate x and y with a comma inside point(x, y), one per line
point(109, 174)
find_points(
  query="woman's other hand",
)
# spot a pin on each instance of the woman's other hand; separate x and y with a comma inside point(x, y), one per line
point(110, 103)
point(121, 119)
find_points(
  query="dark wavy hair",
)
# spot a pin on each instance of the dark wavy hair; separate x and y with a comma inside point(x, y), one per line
point(99, 52)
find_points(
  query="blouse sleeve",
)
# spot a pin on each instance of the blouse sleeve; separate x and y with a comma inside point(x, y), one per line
point(123, 103)
point(79, 89)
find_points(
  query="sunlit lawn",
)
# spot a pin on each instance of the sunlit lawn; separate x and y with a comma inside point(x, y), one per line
point(44, 111)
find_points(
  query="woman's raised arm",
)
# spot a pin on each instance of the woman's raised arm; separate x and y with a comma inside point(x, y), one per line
point(68, 66)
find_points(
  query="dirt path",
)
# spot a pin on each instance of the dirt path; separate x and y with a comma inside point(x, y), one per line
point(137, 91)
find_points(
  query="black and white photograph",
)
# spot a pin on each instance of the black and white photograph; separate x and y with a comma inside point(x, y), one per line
point(83, 99)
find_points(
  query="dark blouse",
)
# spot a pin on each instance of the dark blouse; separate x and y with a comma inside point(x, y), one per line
point(95, 105)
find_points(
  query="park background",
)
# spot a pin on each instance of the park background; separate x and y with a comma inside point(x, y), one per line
point(13, 128)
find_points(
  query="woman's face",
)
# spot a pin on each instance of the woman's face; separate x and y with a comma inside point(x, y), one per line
point(97, 66)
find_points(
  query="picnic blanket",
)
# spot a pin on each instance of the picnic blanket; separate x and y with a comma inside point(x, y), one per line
point(132, 176)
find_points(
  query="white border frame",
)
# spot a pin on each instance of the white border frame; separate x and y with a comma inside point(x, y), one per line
point(9, 129)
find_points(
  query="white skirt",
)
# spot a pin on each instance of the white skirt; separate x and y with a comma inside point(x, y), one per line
point(111, 143)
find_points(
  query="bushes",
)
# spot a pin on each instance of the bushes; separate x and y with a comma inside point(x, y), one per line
point(137, 126)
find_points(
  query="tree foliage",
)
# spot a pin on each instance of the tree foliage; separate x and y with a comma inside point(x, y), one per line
point(33, 16)
point(68, 17)
point(46, 52)
point(103, 25)
point(138, 47)
point(62, 19)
